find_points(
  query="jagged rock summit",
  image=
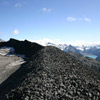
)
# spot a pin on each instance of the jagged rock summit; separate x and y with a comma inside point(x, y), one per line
point(52, 74)
point(22, 47)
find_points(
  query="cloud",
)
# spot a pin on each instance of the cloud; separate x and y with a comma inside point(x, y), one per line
point(44, 42)
point(71, 19)
point(18, 5)
point(8, 3)
point(46, 9)
point(82, 42)
point(16, 31)
point(87, 19)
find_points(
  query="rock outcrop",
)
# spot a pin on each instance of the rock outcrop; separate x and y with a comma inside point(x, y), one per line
point(22, 47)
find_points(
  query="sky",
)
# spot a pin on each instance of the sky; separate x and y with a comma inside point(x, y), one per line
point(66, 21)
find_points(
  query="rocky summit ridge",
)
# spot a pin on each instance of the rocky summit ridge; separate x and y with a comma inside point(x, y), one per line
point(26, 47)
point(51, 74)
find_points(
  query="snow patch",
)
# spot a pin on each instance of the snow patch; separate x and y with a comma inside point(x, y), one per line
point(19, 62)
point(9, 51)
point(6, 50)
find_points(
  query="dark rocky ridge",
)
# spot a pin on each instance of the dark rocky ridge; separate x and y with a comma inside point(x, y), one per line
point(51, 74)
point(22, 47)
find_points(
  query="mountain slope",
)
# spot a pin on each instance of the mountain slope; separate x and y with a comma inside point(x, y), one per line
point(92, 63)
point(26, 48)
point(51, 74)
point(98, 58)
point(71, 48)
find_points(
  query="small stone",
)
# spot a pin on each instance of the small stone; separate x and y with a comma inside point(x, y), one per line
point(90, 95)
point(26, 98)
point(78, 92)
point(98, 93)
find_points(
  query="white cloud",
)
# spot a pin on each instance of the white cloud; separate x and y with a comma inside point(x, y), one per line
point(71, 19)
point(46, 9)
point(44, 41)
point(79, 43)
point(18, 5)
point(87, 19)
point(82, 42)
point(16, 31)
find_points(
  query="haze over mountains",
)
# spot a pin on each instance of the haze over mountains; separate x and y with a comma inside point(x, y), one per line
point(49, 74)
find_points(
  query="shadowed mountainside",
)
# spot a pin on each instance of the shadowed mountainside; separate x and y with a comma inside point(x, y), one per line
point(98, 58)
point(92, 63)
point(52, 74)
point(22, 47)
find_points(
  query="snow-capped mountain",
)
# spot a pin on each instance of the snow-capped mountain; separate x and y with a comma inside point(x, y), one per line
point(1, 40)
point(65, 47)
point(83, 50)
point(60, 46)
point(84, 47)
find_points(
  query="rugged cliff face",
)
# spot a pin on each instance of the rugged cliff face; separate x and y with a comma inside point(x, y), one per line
point(51, 74)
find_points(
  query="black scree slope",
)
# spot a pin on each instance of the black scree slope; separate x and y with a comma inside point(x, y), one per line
point(51, 74)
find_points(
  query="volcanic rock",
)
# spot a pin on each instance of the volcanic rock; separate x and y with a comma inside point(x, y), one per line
point(52, 74)
point(22, 47)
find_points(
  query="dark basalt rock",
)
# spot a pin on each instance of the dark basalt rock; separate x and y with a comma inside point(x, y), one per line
point(51, 74)
point(22, 47)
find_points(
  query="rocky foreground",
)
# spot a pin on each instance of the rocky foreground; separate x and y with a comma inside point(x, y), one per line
point(51, 74)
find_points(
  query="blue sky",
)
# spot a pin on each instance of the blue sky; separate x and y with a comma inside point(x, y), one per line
point(63, 20)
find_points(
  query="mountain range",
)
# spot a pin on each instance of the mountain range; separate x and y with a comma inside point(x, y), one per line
point(90, 50)
point(49, 74)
